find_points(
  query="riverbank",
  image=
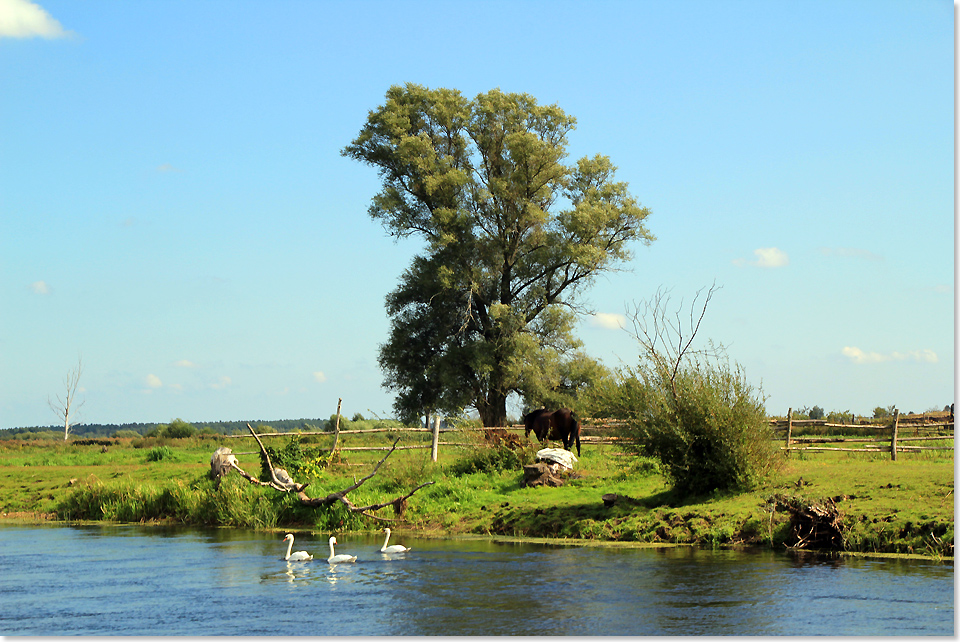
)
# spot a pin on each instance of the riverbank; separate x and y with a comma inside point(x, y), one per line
point(904, 507)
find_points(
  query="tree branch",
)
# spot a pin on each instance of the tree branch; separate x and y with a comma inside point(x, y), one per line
point(652, 328)
point(281, 479)
point(222, 461)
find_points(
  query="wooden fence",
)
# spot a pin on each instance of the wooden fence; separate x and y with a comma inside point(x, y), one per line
point(927, 427)
point(903, 428)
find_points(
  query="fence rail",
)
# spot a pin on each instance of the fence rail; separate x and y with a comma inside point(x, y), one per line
point(918, 424)
point(605, 432)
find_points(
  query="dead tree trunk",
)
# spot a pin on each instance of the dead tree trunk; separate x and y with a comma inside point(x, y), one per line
point(223, 460)
point(336, 428)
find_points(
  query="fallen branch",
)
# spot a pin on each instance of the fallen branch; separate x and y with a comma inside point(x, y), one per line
point(223, 461)
point(281, 479)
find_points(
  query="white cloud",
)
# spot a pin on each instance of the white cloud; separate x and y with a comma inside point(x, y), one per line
point(319, 376)
point(770, 257)
point(39, 287)
point(167, 167)
point(222, 383)
point(850, 253)
point(25, 19)
point(767, 257)
point(859, 356)
point(609, 320)
point(926, 356)
point(856, 355)
point(153, 381)
point(184, 363)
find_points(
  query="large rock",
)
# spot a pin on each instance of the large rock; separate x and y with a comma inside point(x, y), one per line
point(557, 456)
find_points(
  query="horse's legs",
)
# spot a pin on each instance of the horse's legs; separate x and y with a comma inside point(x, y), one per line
point(542, 429)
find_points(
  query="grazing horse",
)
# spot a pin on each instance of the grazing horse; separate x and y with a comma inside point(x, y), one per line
point(539, 422)
point(559, 424)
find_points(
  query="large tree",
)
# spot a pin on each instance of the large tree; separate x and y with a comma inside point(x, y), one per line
point(513, 236)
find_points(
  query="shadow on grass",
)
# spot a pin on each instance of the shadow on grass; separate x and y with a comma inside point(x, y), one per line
point(665, 516)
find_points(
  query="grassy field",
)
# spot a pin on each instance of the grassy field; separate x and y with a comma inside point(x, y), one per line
point(905, 506)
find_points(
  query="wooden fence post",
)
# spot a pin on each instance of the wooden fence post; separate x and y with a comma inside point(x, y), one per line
point(336, 428)
point(789, 428)
point(893, 440)
point(436, 438)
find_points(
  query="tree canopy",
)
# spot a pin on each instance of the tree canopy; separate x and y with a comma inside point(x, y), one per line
point(513, 236)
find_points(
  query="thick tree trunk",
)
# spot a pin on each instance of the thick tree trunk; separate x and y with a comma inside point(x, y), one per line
point(493, 409)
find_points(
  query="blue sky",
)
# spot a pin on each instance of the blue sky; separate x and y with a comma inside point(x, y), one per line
point(174, 209)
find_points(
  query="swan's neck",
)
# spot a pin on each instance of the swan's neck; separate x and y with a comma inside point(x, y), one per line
point(331, 549)
point(289, 548)
point(385, 542)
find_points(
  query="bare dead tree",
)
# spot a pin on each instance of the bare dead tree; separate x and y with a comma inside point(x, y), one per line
point(664, 336)
point(66, 407)
point(223, 461)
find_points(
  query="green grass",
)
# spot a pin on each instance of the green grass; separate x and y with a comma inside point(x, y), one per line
point(903, 507)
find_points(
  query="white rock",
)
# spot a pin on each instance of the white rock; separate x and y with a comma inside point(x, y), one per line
point(563, 457)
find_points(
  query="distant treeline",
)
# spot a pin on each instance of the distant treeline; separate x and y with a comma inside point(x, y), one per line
point(210, 427)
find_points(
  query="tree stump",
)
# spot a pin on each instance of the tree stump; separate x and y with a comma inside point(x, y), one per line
point(542, 474)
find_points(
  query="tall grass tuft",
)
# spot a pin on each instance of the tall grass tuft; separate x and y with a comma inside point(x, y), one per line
point(159, 453)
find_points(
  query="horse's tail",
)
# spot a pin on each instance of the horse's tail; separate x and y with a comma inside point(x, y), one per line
point(576, 431)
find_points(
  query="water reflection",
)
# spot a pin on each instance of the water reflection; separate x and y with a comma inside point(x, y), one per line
point(133, 580)
point(293, 572)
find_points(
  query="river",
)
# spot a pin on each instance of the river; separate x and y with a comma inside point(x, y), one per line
point(133, 580)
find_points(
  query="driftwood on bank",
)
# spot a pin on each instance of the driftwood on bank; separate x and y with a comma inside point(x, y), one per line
point(814, 524)
point(223, 460)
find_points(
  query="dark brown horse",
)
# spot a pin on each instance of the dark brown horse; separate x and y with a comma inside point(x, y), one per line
point(559, 424)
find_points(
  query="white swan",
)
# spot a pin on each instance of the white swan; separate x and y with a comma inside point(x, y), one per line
point(299, 556)
point(396, 548)
point(337, 559)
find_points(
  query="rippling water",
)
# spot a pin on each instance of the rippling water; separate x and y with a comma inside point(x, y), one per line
point(130, 580)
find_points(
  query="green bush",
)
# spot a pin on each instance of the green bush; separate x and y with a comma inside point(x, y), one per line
point(178, 429)
point(301, 463)
point(159, 453)
point(704, 422)
point(46, 434)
